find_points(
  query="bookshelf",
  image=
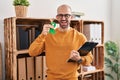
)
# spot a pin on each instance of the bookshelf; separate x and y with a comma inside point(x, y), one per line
point(19, 34)
point(94, 31)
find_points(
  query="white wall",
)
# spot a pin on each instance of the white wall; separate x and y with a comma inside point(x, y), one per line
point(93, 9)
point(115, 28)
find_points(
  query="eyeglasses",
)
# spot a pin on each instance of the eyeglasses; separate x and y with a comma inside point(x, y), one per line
point(64, 15)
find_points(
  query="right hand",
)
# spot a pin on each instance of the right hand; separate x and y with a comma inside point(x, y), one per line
point(46, 28)
point(75, 55)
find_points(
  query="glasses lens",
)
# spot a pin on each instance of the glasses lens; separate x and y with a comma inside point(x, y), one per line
point(67, 15)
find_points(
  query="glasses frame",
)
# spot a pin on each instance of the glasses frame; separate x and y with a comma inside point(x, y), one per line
point(64, 15)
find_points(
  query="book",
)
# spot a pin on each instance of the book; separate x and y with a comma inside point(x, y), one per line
point(85, 49)
point(88, 68)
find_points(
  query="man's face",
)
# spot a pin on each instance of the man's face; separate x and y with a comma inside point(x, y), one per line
point(64, 17)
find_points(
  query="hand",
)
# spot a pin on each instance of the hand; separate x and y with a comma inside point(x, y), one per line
point(75, 55)
point(46, 28)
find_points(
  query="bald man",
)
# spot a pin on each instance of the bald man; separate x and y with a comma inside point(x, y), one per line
point(60, 47)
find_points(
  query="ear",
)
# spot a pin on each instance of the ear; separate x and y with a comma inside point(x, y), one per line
point(72, 16)
point(56, 17)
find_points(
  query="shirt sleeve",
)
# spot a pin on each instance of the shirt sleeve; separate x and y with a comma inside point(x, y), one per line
point(37, 46)
point(86, 60)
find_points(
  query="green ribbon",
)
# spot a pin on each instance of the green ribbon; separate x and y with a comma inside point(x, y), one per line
point(52, 31)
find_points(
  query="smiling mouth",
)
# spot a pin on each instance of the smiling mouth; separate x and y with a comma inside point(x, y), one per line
point(63, 21)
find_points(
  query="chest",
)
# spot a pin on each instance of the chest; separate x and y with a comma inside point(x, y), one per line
point(63, 42)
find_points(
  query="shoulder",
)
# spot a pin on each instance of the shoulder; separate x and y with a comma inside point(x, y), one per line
point(77, 32)
point(79, 35)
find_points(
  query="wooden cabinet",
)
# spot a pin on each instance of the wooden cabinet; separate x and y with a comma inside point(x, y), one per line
point(19, 34)
point(94, 31)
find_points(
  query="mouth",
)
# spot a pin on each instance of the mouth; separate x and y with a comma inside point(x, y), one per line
point(63, 22)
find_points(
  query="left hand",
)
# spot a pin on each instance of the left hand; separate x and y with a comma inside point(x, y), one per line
point(75, 55)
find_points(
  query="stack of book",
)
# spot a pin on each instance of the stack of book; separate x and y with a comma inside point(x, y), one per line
point(89, 68)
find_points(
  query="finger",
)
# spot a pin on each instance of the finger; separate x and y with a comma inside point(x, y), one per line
point(73, 54)
point(46, 27)
point(49, 26)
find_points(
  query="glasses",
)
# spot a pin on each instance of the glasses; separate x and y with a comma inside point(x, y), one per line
point(64, 15)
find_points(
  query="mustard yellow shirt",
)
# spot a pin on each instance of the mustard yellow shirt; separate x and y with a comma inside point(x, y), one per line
point(57, 49)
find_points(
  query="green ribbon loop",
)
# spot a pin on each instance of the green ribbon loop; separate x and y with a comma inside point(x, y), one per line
point(52, 31)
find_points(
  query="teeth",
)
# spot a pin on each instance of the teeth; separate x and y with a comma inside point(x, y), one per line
point(63, 21)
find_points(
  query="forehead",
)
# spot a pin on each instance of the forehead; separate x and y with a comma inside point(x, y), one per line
point(64, 10)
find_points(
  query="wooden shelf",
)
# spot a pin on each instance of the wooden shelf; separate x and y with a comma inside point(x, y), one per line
point(90, 72)
point(19, 34)
point(17, 31)
point(94, 31)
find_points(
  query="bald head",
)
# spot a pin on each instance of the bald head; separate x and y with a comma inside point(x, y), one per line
point(63, 9)
point(64, 16)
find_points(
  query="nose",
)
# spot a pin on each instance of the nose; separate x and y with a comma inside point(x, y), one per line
point(63, 18)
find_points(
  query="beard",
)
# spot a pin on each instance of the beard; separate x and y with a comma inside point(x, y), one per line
point(64, 24)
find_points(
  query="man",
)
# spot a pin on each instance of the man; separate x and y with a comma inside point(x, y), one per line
point(60, 47)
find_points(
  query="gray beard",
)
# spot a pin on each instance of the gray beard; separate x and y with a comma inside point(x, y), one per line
point(64, 28)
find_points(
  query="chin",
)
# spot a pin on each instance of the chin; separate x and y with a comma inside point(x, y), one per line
point(64, 27)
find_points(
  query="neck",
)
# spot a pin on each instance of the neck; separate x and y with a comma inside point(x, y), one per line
point(64, 29)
